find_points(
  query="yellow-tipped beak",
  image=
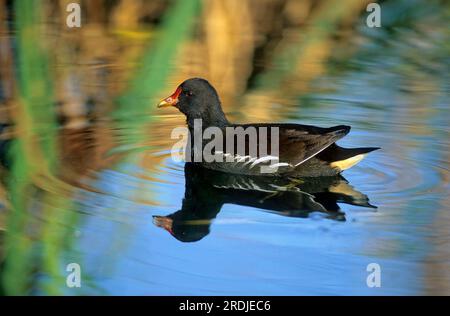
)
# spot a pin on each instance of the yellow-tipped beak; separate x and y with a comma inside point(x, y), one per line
point(170, 101)
point(164, 104)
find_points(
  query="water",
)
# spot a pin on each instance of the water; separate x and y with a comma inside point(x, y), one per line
point(302, 239)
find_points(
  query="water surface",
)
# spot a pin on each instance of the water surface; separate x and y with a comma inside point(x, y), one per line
point(140, 223)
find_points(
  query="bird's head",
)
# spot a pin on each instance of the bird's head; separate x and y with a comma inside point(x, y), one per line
point(197, 99)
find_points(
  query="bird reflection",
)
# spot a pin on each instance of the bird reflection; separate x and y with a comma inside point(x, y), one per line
point(208, 190)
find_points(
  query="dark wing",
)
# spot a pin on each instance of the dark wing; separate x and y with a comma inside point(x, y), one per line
point(296, 144)
point(300, 143)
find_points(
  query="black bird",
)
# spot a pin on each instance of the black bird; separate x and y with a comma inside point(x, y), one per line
point(303, 150)
point(206, 191)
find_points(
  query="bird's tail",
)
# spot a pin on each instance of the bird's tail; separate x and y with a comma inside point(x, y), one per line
point(348, 157)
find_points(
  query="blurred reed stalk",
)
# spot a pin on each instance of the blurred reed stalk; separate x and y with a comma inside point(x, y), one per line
point(153, 70)
point(34, 163)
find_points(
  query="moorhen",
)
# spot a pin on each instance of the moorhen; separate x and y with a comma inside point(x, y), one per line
point(303, 150)
point(206, 191)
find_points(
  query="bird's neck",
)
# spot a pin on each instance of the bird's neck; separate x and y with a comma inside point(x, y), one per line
point(211, 118)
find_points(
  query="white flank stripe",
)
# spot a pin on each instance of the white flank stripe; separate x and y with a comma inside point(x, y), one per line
point(263, 159)
point(250, 161)
point(280, 164)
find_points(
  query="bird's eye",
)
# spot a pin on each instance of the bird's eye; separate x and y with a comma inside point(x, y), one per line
point(188, 93)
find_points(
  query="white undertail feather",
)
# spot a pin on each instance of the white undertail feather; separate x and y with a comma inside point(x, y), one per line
point(347, 163)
